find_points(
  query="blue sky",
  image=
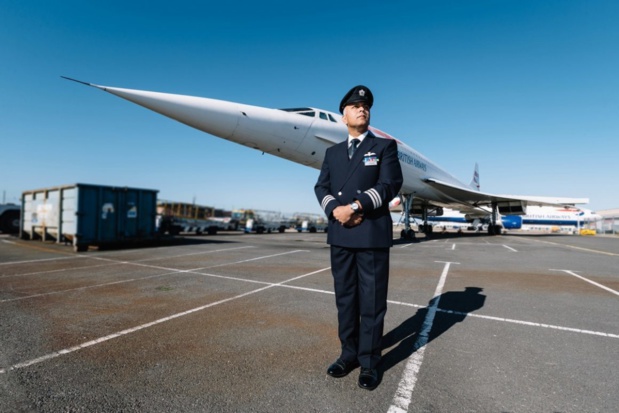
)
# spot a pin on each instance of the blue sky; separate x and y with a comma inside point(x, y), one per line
point(527, 88)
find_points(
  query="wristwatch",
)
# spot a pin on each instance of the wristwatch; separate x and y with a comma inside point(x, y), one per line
point(355, 207)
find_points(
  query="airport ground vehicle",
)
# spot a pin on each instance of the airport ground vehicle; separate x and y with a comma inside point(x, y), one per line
point(252, 220)
point(306, 222)
point(176, 217)
point(9, 218)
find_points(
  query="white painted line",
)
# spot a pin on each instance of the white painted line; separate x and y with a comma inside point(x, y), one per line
point(7, 242)
point(414, 368)
point(60, 270)
point(110, 260)
point(227, 277)
point(42, 260)
point(573, 247)
point(251, 259)
point(531, 324)
point(404, 393)
point(194, 253)
point(84, 288)
point(486, 317)
point(589, 281)
point(195, 269)
point(453, 247)
point(171, 272)
point(144, 326)
point(510, 248)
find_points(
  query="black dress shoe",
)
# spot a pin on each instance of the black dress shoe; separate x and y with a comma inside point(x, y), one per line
point(368, 378)
point(341, 368)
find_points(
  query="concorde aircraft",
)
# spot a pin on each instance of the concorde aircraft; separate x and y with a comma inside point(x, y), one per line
point(303, 134)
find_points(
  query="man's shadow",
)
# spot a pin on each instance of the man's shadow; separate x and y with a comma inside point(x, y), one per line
point(453, 307)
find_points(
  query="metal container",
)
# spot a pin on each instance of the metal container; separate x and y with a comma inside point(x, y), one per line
point(84, 215)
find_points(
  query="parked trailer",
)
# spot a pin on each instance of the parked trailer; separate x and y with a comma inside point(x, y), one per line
point(85, 214)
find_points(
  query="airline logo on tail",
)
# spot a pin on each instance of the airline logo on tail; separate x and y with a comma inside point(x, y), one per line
point(475, 181)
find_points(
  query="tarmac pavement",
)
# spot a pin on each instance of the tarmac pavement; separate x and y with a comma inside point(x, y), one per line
point(247, 323)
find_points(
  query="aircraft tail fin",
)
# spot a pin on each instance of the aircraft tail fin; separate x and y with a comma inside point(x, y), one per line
point(475, 181)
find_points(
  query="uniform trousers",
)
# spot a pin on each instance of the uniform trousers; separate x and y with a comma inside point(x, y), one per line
point(361, 278)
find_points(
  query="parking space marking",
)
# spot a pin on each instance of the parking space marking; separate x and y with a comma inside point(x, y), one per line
point(404, 393)
point(41, 260)
point(252, 259)
point(27, 297)
point(59, 270)
point(612, 254)
point(530, 323)
point(147, 325)
point(171, 271)
point(473, 315)
point(195, 253)
point(589, 281)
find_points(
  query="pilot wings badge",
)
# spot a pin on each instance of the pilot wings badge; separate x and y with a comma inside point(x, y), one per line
point(370, 159)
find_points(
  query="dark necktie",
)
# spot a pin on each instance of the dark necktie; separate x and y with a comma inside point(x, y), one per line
point(353, 147)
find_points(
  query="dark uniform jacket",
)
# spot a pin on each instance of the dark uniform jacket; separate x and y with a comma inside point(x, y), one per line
point(373, 177)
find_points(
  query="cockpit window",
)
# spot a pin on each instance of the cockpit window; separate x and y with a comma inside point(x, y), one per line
point(302, 111)
point(296, 109)
point(311, 113)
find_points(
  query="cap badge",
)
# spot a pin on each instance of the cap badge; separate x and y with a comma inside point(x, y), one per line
point(362, 93)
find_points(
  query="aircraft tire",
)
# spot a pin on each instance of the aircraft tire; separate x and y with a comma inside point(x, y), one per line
point(10, 222)
point(80, 247)
point(407, 234)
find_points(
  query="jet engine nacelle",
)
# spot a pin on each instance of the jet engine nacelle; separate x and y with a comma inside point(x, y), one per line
point(512, 222)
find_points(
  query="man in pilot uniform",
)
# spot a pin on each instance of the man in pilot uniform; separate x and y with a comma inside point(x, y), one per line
point(358, 179)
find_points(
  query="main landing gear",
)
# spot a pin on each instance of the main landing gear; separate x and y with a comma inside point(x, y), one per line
point(407, 233)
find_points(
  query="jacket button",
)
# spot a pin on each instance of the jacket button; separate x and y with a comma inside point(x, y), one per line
point(339, 193)
point(358, 191)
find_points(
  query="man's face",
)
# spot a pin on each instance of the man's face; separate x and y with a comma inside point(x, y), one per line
point(356, 115)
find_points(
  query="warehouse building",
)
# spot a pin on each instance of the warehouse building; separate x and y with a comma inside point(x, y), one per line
point(609, 224)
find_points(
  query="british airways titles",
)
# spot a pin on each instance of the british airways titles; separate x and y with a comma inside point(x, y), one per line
point(406, 158)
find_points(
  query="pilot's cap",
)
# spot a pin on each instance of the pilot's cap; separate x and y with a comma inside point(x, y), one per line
point(357, 94)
